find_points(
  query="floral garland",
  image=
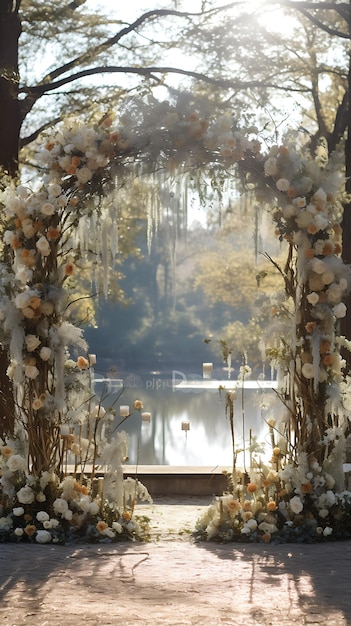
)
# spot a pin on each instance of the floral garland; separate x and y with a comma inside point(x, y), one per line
point(49, 230)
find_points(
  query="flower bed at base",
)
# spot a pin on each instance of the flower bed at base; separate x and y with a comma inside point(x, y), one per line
point(47, 511)
point(229, 519)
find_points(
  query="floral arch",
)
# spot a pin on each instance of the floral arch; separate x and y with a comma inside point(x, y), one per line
point(72, 216)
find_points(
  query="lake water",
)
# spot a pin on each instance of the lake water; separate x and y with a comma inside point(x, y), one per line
point(174, 400)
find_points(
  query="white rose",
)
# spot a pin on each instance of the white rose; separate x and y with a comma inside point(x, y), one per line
point(68, 515)
point(30, 371)
point(339, 310)
point(32, 342)
point(16, 462)
point(282, 184)
point(43, 536)
point(84, 174)
point(47, 208)
point(94, 508)
point(18, 511)
point(45, 353)
point(43, 246)
point(307, 370)
point(313, 298)
point(18, 532)
point(42, 516)
point(54, 189)
point(296, 505)
point(117, 527)
point(60, 505)
point(108, 532)
point(25, 495)
point(41, 497)
point(327, 531)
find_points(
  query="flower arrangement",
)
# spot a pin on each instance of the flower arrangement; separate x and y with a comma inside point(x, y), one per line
point(52, 231)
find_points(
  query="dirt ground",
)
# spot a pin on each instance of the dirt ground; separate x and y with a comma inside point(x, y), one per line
point(173, 581)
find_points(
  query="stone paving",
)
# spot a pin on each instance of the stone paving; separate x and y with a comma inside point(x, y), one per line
point(174, 582)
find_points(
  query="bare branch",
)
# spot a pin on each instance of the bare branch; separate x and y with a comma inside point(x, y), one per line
point(148, 16)
point(27, 140)
point(38, 90)
point(306, 7)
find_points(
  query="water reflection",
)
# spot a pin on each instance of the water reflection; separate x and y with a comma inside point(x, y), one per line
point(207, 443)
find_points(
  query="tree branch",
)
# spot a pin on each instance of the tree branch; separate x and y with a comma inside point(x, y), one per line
point(149, 15)
point(27, 140)
point(305, 7)
point(38, 90)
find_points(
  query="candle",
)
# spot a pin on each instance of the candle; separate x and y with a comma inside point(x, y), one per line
point(146, 417)
point(64, 430)
point(207, 369)
point(124, 410)
point(92, 359)
point(185, 426)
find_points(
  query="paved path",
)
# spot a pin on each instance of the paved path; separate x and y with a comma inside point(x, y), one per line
point(172, 581)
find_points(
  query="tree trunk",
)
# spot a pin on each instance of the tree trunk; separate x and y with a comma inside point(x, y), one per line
point(10, 117)
point(10, 124)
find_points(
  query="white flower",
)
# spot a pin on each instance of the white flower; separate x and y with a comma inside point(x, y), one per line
point(117, 527)
point(84, 174)
point(47, 208)
point(282, 184)
point(296, 505)
point(43, 536)
point(339, 310)
point(318, 266)
point(42, 516)
point(94, 508)
point(16, 462)
point(43, 246)
point(54, 189)
point(323, 513)
point(68, 515)
point(18, 511)
point(18, 532)
point(45, 353)
point(25, 495)
point(41, 497)
point(60, 505)
point(30, 371)
point(313, 298)
point(32, 342)
point(267, 528)
point(327, 531)
point(108, 532)
point(307, 370)
point(270, 167)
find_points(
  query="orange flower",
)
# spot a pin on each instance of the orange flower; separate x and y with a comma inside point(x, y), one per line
point(306, 487)
point(271, 505)
point(53, 234)
point(69, 269)
point(71, 170)
point(75, 161)
point(309, 253)
point(283, 150)
point(30, 530)
point(266, 537)
point(312, 229)
point(251, 487)
point(73, 201)
point(138, 405)
point(324, 347)
point(27, 517)
point(310, 326)
point(50, 145)
point(328, 359)
point(127, 516)
point(34, 302)
point(337, 248)
point(233, 506)
point(328, 248)
point(100, 526)
point(282, 493)
point(82, 363)
point(265, 482)
point(6, 451)
point(276, 451)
